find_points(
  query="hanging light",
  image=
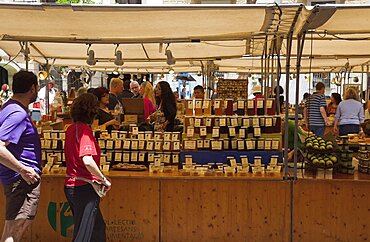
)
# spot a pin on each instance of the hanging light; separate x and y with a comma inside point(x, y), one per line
point(118, 61)
point(170, 59)
point(91, 61)
point(171, 71)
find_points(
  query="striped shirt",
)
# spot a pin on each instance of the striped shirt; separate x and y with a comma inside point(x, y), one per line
point(313, 105)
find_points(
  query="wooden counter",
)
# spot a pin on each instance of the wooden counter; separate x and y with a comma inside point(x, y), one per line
point(170, 207)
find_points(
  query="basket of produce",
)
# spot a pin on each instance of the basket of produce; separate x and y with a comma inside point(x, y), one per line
point(314, 144)
point(319, 160)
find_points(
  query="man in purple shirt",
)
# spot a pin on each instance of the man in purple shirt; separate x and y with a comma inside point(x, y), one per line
point(20, 157)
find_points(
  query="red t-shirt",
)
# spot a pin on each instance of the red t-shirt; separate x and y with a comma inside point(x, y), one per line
point(76, 147)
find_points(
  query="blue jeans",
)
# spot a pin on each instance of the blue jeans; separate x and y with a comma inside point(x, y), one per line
point(349, 129)
point(317, 130)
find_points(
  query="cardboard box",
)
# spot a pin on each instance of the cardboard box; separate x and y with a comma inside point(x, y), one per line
point(131, 119)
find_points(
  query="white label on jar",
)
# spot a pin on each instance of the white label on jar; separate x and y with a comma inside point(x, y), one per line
point(167, 136)
point(246, 122)
point(190, 104)
point(118, 156)
point(157, 161)
point(259, 103)
point(200, 144)
point(269, 103)
point(205, 104)
point(261, 144)
point(208, 122)
point(141, 136)
point(215, 132)
point(226, 144)
point(241, 104)
point(149, 145)
point(234, 122)
point(134, 144)
point(109, 144)
point(232, 131)
point(217, 104)
point(222, 122)
point(157, 137)
point(190, 132)
point(244, 160)
point(150, 157)
point(268, 122)
point(206, 144)
point(54, 135)
point(141, 144)
point(117, 144)
point(157, 145)
point(273, 161)
point(166, 145)
point(203, 131)
point(47, 135)
point(142, 157)
point(198, 104)
point(135, 130)
point(62, 135)
point(134, 156)
point(242, 133)
point(191, 121)
point(257, 132)
point(167, 158)
point(233, 162)
point(257, 161)
point(126, 157)
point(268, 144)
point(198, 122)
point(250, 144)
point(216, 145)
point(241, 144)
point(176, 145)
point(262, 121)
point(114, 135)
point(250, 104)
point(275, 144)
point(175, 136)
point(175, 158)
point(102, 144)
point(256, 122)
point(148, 136)
point(55, 144)
point(188, 160)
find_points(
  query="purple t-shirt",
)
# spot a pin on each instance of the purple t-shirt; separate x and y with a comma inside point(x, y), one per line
point(17, 128)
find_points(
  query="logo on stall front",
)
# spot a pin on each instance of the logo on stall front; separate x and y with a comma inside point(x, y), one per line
point(60, 218)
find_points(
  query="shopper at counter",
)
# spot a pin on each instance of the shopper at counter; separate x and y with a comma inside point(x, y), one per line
point(315, 111)
point(83, 160)
point(135, 89)
point(350, 114)
point(104, 116)
point(147, 92)
point(335, 99)
point(198, 92)
point(20, 158)
point(115, 89)
point(164, 117)
point(126, 90)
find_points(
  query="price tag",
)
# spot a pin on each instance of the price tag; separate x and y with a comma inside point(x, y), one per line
point(241, 104)
point(260, 103)
point(275, 145)
point(190, 104)
point(198, 122)
point(246, 122)
point(176, 145)
point(47, 135)
point(222, 122)
point(109, 156)
point(55, 144)
point(257, 132)
point(109, 144)
point(205, 104)
point(208, 122)
point(217, 104)
point(242, 133)
point(241, 144)
point(150, 157)
point(250, 144)
point(167, 158)
point(167, 145)
point(200, 144)
point(141, 144)
point(215, 132)
point(134, 156)
point(118, 156)
point(250, 104)
point(261, 144)
point(118, 144)
point(244, 160)
point(190, 132)
point(257, 161)
point(256, 122)
point(268, 144)
point(135, 130)
point(101, 143)
point(175, 158)
point(269, 103)
point(134, 144)
point(126, 144)
point(114, 134)
point(198, 104)
point(232, 132)
point(149, 145)
point(141, 157)
point(206, 144)
point(234, 122)
point(126, 157)
point(190, 144)
point(62, 135)
point(158, 145)
point(268, 122)
point(141, 136)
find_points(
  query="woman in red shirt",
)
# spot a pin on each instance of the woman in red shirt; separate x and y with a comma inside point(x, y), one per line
point(147, 91)
point(83, 160)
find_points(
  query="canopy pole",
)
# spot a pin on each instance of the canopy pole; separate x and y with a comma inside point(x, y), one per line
point(25, 52)
point(362, 82)
point(367, 84)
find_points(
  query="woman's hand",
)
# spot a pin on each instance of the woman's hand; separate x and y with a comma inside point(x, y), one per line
point(335, 129)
